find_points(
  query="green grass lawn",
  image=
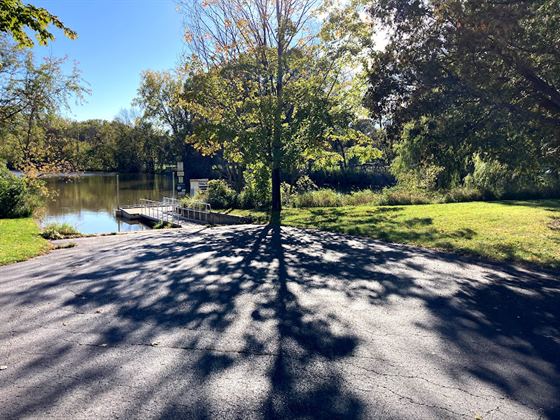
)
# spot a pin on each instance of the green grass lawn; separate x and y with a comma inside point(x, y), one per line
point(523, 231)
point(20, 240)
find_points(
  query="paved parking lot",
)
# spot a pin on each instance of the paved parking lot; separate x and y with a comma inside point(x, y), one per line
point(258, 322)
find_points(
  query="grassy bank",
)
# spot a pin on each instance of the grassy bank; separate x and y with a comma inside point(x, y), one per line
point(20, 240)
point(523, 231)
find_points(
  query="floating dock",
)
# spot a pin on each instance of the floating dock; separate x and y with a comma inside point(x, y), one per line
point(170, 211)
point(151, 216)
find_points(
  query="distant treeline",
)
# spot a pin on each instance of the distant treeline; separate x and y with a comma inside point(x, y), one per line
point(462, 97)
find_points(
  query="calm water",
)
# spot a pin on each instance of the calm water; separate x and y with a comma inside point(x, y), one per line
point(88, 202)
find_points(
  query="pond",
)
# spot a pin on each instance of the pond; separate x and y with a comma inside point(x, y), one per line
point(88, 202)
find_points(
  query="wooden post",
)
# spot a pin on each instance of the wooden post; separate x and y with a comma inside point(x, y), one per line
point(118, 198)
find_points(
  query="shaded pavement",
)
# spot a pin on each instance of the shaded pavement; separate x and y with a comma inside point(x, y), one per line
point(263, 322)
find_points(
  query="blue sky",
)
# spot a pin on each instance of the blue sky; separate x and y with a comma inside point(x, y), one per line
point(117, 39)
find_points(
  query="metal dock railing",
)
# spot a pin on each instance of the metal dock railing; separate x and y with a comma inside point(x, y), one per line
point(168, 210)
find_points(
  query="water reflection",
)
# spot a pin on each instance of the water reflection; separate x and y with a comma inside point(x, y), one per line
point(88, 202)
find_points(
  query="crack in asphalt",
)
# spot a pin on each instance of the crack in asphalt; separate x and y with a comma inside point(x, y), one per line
point(414, 402)
point(402, 376)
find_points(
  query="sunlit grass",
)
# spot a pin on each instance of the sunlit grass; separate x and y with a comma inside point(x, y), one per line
point(522, 231)
point(20, 240)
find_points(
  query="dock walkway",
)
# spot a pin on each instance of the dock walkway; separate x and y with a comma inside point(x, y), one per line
point(153, 215)
point(173, 212)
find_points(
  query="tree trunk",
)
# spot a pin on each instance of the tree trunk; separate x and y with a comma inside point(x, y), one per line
point(277, 138)
point(277, 159)
point(276, 198)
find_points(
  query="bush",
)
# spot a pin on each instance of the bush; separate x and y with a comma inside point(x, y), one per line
point(258, 184)
point(319, 198)
point(55, 231)
point(360, 198)
point(403, 196)
point(199, 197)
point(420, 178)
point(287, 193)
point(375, 178)
point(389, 196)
point(305, 184)
point(163, 225)
point(462, 194)
point(19, 196)
point(490, 177)
point(496, 180)
point(220, 195)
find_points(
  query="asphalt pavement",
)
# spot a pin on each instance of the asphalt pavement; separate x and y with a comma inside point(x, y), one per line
point(262, 322)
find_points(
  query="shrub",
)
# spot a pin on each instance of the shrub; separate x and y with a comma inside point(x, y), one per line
point(199, 197)
point(287, 193)
point(360, 198)
point(490, 177)
point(185, 201)
point(462, 194)
point(319, 198)
point(422, 177)
point(19, 196)
point(258, 184)
point(403, 196)
point(220, 195)
point(247, 199)
point(375, 178)
point(55, 231)
point(305, 184)
point(162, 225)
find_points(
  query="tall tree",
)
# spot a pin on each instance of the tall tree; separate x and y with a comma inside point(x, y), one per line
point(267, 31)
point(466, 78)
point(161, 99)
point(30, 96)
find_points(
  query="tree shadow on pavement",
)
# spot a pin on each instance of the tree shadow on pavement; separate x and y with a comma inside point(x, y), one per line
point(183, 314)
point(506, 333)
point(308, 340)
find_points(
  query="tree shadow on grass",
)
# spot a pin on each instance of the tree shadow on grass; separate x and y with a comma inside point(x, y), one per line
point(383, 223)
point(554, 224)
point(552, 205)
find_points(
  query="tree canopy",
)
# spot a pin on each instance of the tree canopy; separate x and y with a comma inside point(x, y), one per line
point(463, 93)
point(267, 87)
point(467, 80)
point(16, 17)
